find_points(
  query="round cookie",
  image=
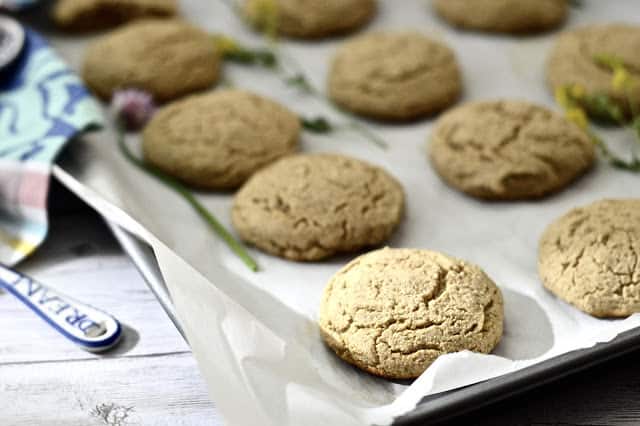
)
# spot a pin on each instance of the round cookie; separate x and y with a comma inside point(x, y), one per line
point(508, 150)
point(394, 76)
point(307, 207)
point(167, 58)
point(572, 60)
point(312, 18)
point(392, 312)
point(91, 15)
point(217, 140)
point(589, 258)
point(507, 16)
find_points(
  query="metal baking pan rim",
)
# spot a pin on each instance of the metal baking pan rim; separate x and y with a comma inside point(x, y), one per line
point(442, 406)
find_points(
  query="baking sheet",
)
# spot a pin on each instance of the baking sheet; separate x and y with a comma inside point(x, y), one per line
point(441, 406)
point(254, 335)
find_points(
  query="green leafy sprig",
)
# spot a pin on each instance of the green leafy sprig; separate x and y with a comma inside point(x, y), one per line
point(262, 57)
point(233, 51)
point(316, 124)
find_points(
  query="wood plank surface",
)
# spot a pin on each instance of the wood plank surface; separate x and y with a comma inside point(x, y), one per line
point(82, 260)
point(144, 390)
point(151, 378)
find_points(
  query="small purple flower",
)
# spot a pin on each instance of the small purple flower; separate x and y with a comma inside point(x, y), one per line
point(133, 107)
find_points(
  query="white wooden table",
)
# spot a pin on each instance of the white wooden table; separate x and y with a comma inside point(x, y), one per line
point(152, 378)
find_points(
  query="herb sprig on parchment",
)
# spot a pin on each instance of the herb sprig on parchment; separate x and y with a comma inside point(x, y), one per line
point(579, 105)
point(276, 60)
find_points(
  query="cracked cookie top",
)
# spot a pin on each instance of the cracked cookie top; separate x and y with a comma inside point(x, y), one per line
point(92, 15)
point(590, 258)
point(310, 206)
point(165, 57)
point(509, 16)
point(507, 150)
point(314, 18)
point(392, 312)
point(394, 76)
point(217, 140)
point(572, 60)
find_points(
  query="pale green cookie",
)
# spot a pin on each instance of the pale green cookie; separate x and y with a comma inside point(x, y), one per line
point(393, 312)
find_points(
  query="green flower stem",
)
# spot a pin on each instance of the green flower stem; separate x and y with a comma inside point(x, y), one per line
point(181, 190)
point(607, 109)
point(367, 133)
point(246, 56)
point(302, 83)
point(226, 83)
point(234, 6)
point(636, 127)
point(633, 108)
point(634, 124)
point(293, 76)
point(316, 124)
point(615, 161)
point(299, 80)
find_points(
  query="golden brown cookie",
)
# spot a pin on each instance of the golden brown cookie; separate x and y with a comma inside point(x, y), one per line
point(91, 15)
point(392, 312)
point(573, 61)
point(507, 16)
point(508, 150)
point(590, 258)
point(167, 58)
point(217, 140)
point(310, 18)
point(394, 76)
point(310, 206)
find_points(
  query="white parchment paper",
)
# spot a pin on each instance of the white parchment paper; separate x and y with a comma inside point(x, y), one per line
point(254, 334)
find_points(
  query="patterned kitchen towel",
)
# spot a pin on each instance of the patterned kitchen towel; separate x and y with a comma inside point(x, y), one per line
point(43, 105)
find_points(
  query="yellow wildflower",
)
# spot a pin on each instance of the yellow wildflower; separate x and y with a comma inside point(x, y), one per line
point(577, 91)
point(578, 116)
point(610, 61)
point(267, 16)
point(562, 97)
point(621, 79)
point(225, 44)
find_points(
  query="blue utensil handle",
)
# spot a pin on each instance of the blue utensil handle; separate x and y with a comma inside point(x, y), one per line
point(86, 326)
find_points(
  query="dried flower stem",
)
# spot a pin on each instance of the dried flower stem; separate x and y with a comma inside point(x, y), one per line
point(181, 190)
point(293, 75)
